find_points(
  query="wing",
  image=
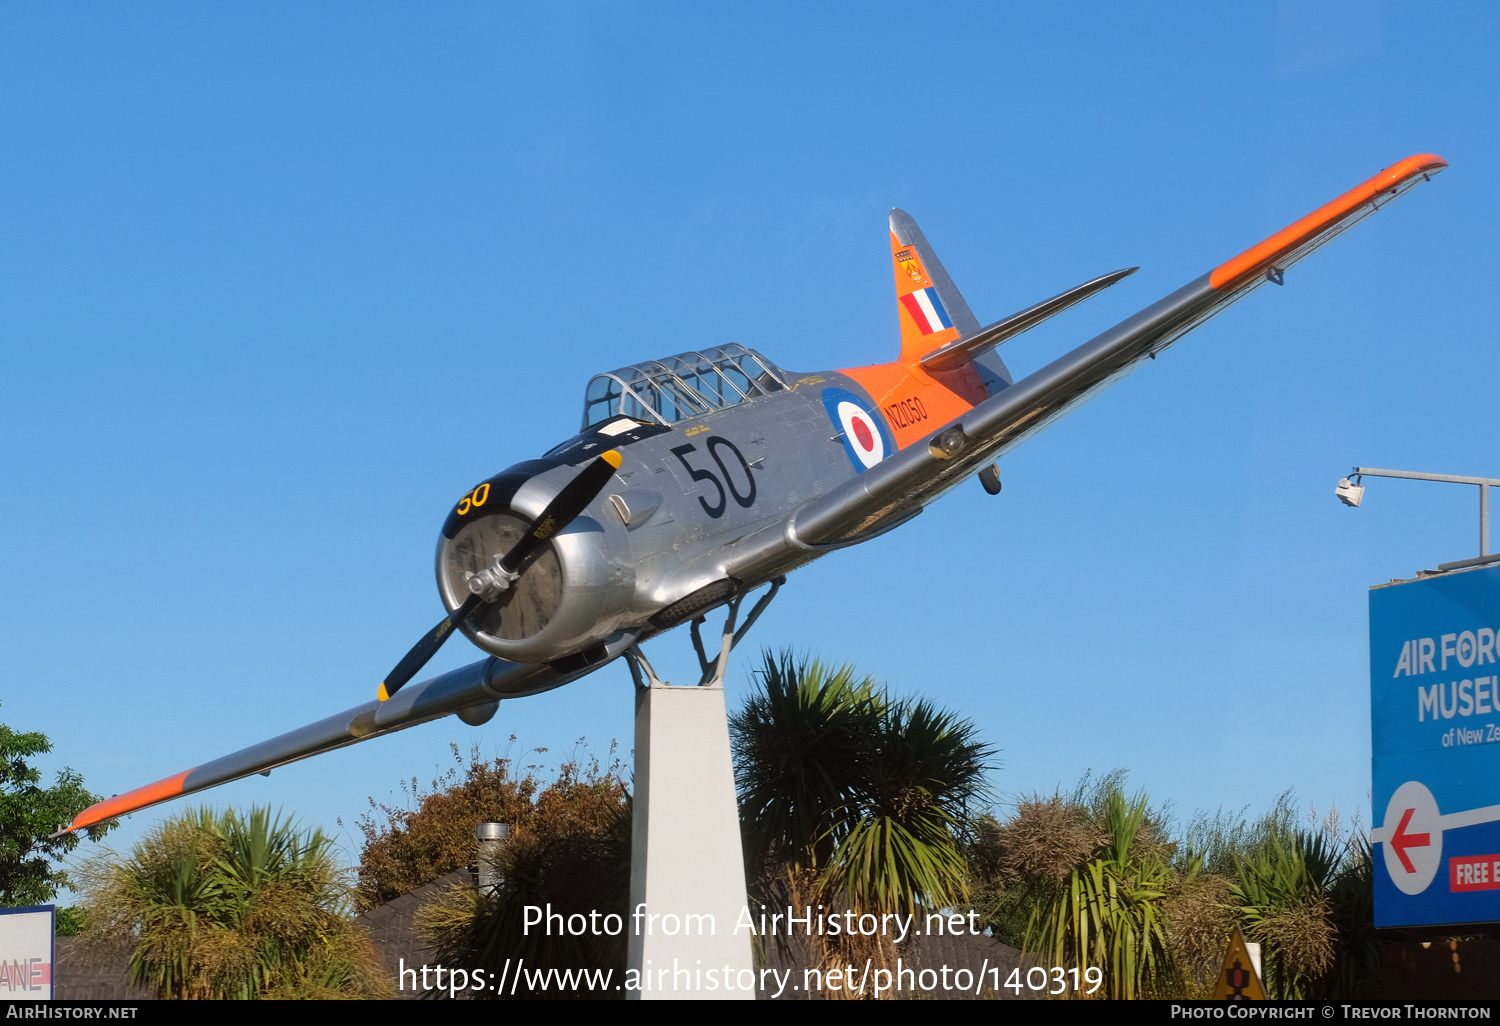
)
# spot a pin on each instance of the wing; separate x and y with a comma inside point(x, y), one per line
point(472, 691)
point(894, 488)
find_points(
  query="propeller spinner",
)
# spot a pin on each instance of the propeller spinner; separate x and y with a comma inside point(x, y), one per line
point(496, 578)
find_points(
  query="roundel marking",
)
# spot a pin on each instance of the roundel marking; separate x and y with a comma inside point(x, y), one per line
point(861, 430)
point(862, 435)
point(869, 446)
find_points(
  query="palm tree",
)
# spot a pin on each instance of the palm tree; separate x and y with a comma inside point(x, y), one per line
point(1305, 893)
point(1108, 912)
point(225, 906)
point(1308, 896)
point(848, 795)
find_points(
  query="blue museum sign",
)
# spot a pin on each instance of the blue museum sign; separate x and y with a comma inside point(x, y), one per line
point(1435, 719)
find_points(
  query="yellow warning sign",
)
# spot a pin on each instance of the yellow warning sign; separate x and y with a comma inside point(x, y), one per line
point(1239, 981)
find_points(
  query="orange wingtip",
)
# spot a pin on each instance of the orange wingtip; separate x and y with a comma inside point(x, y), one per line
point(130, 801)
point(1262, 256)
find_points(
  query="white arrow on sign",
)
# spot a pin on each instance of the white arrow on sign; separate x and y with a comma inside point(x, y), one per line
point(1413, 835)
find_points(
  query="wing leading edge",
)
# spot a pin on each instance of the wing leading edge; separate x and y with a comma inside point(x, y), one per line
point(474, 690)
point(913, 476)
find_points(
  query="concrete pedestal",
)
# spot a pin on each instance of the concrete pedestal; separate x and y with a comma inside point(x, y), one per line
point(687, 869)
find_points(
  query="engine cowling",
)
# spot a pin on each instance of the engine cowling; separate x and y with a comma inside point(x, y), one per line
point(574, 589)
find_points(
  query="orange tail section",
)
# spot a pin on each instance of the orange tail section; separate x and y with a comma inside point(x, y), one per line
point(932, 313)
point(926, 323)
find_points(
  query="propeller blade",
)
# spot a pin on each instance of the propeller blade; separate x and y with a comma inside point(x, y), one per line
point(560, 512)
point(425, 649)
point(568, 503)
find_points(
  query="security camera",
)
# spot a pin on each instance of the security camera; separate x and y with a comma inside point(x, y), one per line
point(1348, 492)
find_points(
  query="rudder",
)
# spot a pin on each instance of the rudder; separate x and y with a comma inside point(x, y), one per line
point(931, 310)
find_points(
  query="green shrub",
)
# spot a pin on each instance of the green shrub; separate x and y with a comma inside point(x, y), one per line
point(215, 905)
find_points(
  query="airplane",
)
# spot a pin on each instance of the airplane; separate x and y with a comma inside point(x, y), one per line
point(701, 478)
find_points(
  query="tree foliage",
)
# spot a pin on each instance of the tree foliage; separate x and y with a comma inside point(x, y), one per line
point(850, 797)
point(569, 849)
point(1308, 896)
point(28, 813)
point(216, 905)
point(1108, 911)
point(569, 846)
point(1281, 889)
point(1081, 880)
point(407, 847)
point(837, 777)
point(1091, 878)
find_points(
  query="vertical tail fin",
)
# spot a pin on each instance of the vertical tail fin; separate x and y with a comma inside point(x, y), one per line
point(931, 310)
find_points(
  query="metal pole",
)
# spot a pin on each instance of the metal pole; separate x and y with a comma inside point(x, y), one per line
point(1484, 520)
point(490, 837)
point(1484, 494)
point(1413, 475)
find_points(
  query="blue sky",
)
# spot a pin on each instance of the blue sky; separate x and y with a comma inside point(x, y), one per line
point(278, 283)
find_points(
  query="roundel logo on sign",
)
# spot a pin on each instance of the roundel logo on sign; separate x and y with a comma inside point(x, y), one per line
point(864, 436)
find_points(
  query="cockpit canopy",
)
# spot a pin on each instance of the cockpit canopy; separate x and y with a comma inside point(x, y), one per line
point(682, 386)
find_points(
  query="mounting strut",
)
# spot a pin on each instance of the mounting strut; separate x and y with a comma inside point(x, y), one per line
point(644, 675)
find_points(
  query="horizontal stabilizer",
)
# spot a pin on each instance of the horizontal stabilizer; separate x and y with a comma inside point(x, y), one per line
point(957, 353)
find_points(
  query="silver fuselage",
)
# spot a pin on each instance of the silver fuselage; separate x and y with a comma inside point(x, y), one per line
point(698, 508)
